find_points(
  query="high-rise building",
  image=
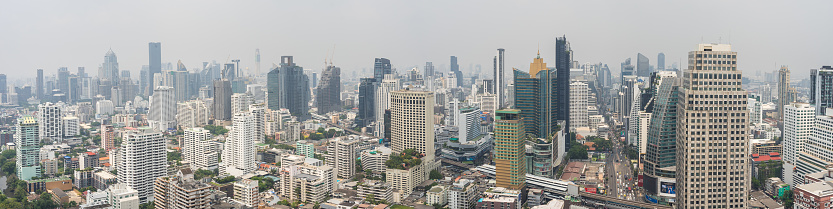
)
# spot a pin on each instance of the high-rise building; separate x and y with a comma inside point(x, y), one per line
point(182, 191)
point(4, 89)
point(49, 119)
point(110, 68)
point(194, 146)
point(381, 66)
point(142, 161)
point(328, 97)
point(239, 150)
point(821, 89)
point(712, 142)
point(661, 141)
point(367, 101)
point(798, 124)
point(510, 164)
point(389, 84)
point(784, 97)
point(240, 102)
point(642, 66)
point(815, 154)
point(563, 58)
point(305, 179)
point(341, 155)
point(108, 137)
point(192, 113)
point(222, 100)
point(500, 81)
point(39, 85)
point(455, 68)
point(162, 109)
point(287, 87)
point(756, 114)
point(27, 146)
point(154, 64)
point(246, 192)
point(428, 72)
point(536, 96)
point(579, 92)
point(412, 118)
point(660, 61)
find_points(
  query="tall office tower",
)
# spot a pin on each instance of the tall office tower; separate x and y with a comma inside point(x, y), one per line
point(240, 102)
point(412, 121)
point(784, 97)
point(341, 155)
point(4, 89)
point(467, 119)
point(712, 142)
point(428, 72)
point(798, 125)
point(143, 80)
point(821, 89)
point(222, 100)
point(367, 102)
point(579, 92)
point(239, 150)
point(329, 91)
point(381, 66)
point(63, 81)
point(660, 61)
point(154, 64)
point(110, 68)
point(627, 68)
point(500, 81)
point(182, 191)
point(389, 84)
point(142, 160)
point(563, 58)
point(510, 164)
point(257, 62)
point(661, 141)
point(162, 116)
point(287, 87)
point(642, 66)
point(180, 84)
point(39, 85)
point(49, 119)
point(27, 144)
point(455, 68)
point(815, 154)
point(108, 137)
point(536, 98)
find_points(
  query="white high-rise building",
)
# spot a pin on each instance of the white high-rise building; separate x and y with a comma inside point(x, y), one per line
point(49, 119)
point(389, 84)
point(162, 114)
point(104, 107)
point(641, 132)
point(240, 102)
point(817, 151)
point(197, 149)
point(412, 127)
point(341, 155)
point(143, 159)
point(798, 123)
point(27, 150)
point(239, 150)
point(712, 130)
point(259, 112)
point(488, 103)
point(192, 113)
point(755, 111)
point(71, 126)
point(578, 104)
point(468, 122)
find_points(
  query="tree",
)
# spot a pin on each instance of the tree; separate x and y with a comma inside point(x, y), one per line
point(174, 156)
point(787, 199)
point(435, 175)
point(148, 205)
point(370, 198)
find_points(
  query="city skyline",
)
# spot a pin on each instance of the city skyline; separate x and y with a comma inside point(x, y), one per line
point(409, 42)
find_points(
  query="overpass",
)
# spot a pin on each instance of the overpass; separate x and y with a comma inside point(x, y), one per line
point(455, 163)
point(326, 120)
point(559, 188)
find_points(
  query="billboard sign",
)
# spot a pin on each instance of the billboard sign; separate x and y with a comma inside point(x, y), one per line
point(668, 187)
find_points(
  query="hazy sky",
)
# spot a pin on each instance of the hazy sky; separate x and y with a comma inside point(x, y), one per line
point(52, 34)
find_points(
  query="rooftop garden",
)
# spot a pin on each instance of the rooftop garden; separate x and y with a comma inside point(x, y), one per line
point(405, 160)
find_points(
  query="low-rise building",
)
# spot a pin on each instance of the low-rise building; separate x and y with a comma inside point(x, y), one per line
point(83, 178)
point(64, 183)
point(437, 195)
point(305, 179)
point(374, 159)
point(462, 195)
point(102, 179)
point(116, 196)
point(813, 195)
point(59, 196)
point(499, 197)
point(245, 192)
point(378, 190)
point(181, 191)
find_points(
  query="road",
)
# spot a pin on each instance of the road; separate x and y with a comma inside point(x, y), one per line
point(617, 169)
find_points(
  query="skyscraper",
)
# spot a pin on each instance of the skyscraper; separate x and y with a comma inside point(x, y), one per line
point(328, 97)
point(510, 164)
point(162, 116)
point(563, 58)
point(455, 68)
point(4, 89)
point(536, 97)
point(412, 118)
point(821, 89)
point(815, 154)
point(500, 81)
point(784, 96)
point(627, 68)
point(642, 66)
point(154, 64)
point(382, 102)
point(428, 72)
point(142, 160)
point(110, 68)
point(381, 66)
point(712, 142)
point(222, 100)
point(63, 82)
point(288, 87)
point(798, 125)
point(661, 141)
point(239, 150)
point(367, 101)
point(27, 146)
point(660, 61)
point(257, 62)
point(39, 85)
point(579, 93)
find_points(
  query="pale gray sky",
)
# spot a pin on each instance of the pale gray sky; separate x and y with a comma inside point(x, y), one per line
point(52, 34)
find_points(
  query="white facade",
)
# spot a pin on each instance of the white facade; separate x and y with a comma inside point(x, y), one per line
point(240, 102)
point(375, 159)
point(755, 111)
point(462, 195)
point(488, 103)
point(162, 114)
point(118, 196)
point(468, 122)
point(437, 195)
point(143, 159)
point(578, 104)
point(49, 119)
point(817, 151)
point(643, 122)
point(389, 84)
point(798, 124)
point(341, 155)
point(315, 180)
point(71, 126)
point(246, 193)
point(192, 113)
point(239, 150)
point(104, 107)
point(197, 149)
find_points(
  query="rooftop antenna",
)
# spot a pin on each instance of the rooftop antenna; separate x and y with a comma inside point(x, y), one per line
point(332, 54)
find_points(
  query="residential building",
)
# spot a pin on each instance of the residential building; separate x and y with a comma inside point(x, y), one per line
point(287, 87)
point(462, 194)
point(510, 165)
point(314, 180)
point(103, 179)
point(578, 104)
point(192, 113)
point(83, 178)
point(815, 154)
point(375, 159)
point(798, 125)
point(437, 195)
point(755, 110)
point(108, 137)
point(197, 149)
point(117, 196)
point(88, 160)
point(821, 89)
point(49, 118)
point(239, 149)
point(27, 148)
point(328, 97)
point(246, 192)
point(378, 190)
point(305, 148)
point(49, 166)
point(813, 195)
point(142, 160)
point(498, 197)
point(341, 155)
point(182, 191)
point(711, 153)
point(240, 102)
point(162, 109)
point(412, 127)
point(71, 126)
